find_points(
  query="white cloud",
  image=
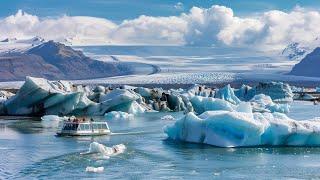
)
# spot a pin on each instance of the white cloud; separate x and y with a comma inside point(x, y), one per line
point(216, 25)
point(179, 6)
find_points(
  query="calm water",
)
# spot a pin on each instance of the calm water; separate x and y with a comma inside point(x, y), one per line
point(28, 151)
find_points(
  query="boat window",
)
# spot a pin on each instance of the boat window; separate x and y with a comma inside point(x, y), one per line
point(87, 127)
point(75, 127)
point(95, 126)
point(104, 126)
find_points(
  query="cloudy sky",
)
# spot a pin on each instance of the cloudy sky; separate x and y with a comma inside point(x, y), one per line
point(266, 24)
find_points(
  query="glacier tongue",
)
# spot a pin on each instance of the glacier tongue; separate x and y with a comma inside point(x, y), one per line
point(237, 129)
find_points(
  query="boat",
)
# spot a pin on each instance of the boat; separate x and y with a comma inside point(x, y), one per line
point(75, 127)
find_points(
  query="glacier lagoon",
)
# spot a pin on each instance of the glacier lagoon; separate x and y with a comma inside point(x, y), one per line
point(29, 150)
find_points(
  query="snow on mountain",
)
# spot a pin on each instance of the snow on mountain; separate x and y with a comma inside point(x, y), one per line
point(294, 51)
point(54, 60)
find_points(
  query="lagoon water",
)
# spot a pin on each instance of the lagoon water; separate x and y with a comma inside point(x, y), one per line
point(29, 151)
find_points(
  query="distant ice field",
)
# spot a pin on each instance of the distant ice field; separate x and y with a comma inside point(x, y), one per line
point(190, 65)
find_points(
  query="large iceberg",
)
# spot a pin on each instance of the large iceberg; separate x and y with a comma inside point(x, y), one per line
point(237, 129)
point(278, 91)
point(39, 96)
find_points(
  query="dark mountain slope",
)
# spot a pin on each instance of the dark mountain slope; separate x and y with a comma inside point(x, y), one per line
point(54, 60)
point(308, 66)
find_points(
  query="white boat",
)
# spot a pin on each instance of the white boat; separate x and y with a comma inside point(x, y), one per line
point(82, 128)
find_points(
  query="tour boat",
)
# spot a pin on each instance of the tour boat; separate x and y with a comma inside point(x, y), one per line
point(77, 127)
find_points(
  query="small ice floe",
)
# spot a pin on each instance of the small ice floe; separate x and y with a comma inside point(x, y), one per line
point(50, 121)
point(95, 169)
point(104, 150)
point(118, 115)
point(168, 118)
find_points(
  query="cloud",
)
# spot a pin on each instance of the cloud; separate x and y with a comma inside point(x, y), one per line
point(179, 6)
point(216, 25)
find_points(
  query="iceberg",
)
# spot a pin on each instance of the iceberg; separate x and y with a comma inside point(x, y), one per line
point(5, 95)
point(50, 121)
point(118, 115)
point(264, 103)
point(278, 91)
point(227, 94)
point(244, 93)
point(94, 169)
point(104, 150)
point(203, 104)
point(239, 129)
point(39, 96)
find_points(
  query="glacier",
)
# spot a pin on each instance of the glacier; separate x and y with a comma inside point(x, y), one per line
point(242, 129)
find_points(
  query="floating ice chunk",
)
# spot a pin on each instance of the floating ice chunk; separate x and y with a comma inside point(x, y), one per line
point(235, 129)
point(202, 104)
point(144, 92)
point(304, 96)
point(50, 121)
point(40, 96)
point(4, 95)
point(99, 89)
point(244, 93)
point(227, 94)
point(278, 91)
point(118, 115)
point(94, 169)
point(122, 100)
point(106, 151)
point(263, 103)
point(168, 118)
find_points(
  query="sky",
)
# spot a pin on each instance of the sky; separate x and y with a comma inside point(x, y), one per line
point(265, 24)
point(118, 10)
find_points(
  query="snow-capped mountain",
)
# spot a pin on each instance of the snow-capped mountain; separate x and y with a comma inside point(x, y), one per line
point(294, 51)
point(33, 41)
point(297, 51)
point(309, 66)
point(7, 40)
point(54, 60)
